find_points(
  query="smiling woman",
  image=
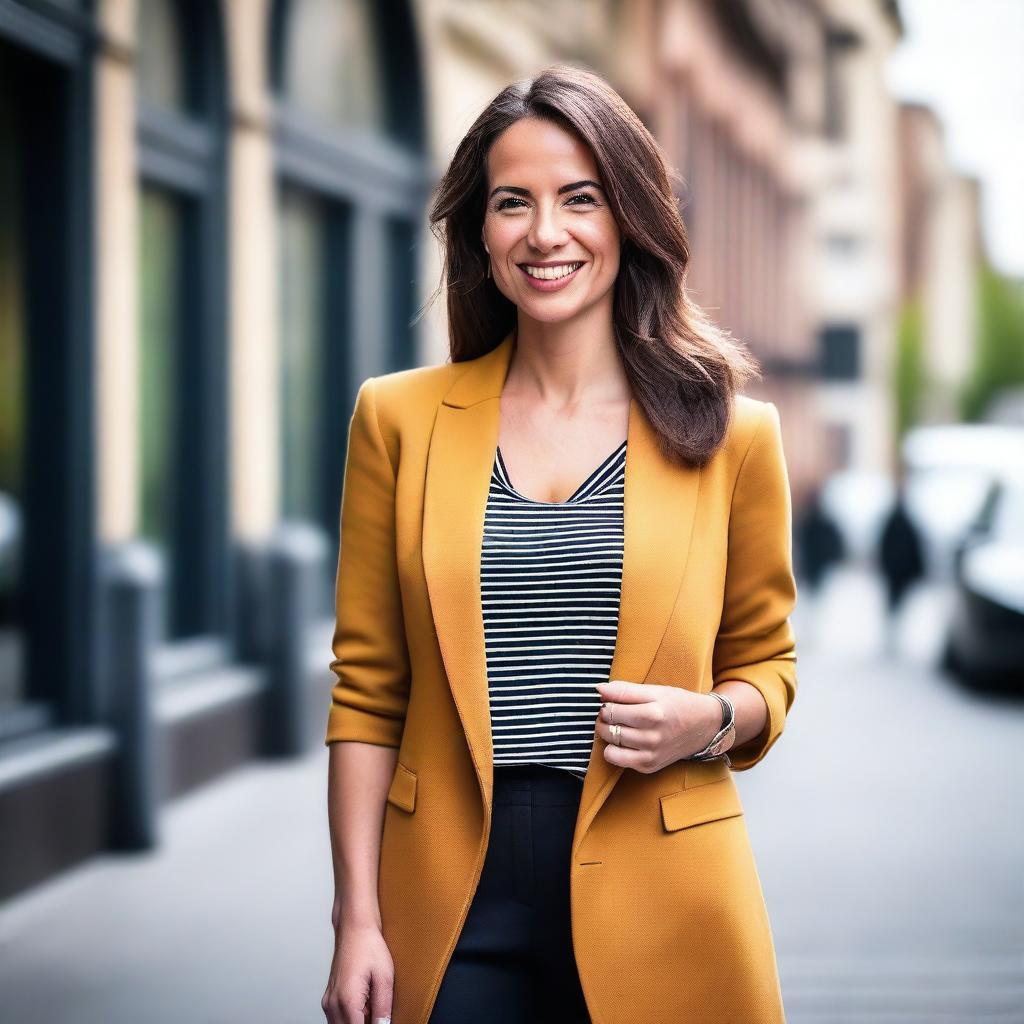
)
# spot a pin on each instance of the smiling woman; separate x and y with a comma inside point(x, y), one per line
point(546, 178)
point(569, 672)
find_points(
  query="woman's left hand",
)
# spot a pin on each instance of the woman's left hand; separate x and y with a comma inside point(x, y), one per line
point(660, 724)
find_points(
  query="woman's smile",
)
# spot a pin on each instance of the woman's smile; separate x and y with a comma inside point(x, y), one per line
point(551, 279)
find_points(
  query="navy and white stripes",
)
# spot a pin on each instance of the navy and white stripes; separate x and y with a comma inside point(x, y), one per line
point(551, 575)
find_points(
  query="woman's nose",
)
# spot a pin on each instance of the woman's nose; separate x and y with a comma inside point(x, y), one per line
point(546, 230)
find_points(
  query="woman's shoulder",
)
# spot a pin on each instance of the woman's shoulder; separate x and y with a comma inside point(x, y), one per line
point(417, 384)
point(407, 398)
point(750, 413)
point(751, 418)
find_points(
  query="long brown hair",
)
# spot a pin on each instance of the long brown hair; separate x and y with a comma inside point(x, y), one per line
point(683, 369)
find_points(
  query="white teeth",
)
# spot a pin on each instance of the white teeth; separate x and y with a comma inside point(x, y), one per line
point(551, 273)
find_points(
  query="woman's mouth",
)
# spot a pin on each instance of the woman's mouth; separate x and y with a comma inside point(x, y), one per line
point(551, 279)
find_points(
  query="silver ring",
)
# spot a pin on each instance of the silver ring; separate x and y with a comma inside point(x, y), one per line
point(616, 734)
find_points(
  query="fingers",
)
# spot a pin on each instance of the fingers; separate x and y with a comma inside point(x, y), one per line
point(637, 716)
point(627, 692)
point(346, 999)
point(380, 999)
point(628, 737)
point(341, 1008)
point(361, 980)
point(643, 761)
point(346, 1003)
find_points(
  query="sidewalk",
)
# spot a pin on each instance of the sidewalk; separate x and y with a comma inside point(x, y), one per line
point(228, 921)
point(890, 858)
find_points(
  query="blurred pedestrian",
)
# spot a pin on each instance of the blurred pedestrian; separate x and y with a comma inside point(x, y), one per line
point(900, 561)
point(820, 546)
point(819, 542)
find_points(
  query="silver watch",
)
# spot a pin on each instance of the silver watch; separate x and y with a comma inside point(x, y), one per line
point(719, 743)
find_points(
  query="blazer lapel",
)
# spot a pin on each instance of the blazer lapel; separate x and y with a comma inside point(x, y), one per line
point(660, 500)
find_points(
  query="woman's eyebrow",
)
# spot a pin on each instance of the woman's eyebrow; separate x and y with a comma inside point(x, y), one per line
point(571, 187)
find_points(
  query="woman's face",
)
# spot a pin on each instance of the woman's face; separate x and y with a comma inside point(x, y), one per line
point(546, 205)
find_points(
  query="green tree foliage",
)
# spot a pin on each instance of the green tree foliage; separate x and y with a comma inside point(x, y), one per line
point(908, 376)
point(999, 355)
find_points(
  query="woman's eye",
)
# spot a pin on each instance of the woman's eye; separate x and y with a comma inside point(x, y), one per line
point(579, 195)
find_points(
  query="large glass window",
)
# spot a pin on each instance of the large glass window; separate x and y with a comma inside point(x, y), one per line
point(162, 295)
point(162, 79)
point(47, 563)
point(352, 189)
point(181, 498)
point(303, 254)
point(331, 65)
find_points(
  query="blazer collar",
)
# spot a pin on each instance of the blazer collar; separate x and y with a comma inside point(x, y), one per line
point(659, 506)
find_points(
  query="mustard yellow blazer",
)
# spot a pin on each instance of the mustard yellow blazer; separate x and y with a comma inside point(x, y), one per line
point(669, 921)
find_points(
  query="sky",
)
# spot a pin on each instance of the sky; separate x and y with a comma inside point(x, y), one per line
point(965, 59)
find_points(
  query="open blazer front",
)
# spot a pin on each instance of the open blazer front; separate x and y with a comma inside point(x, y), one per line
point(669, 921)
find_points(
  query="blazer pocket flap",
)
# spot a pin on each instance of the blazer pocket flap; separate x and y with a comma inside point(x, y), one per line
point(403, 788)
point(700, 804)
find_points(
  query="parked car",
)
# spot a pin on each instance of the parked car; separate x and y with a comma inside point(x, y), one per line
point(985, 642)
point(950, 471)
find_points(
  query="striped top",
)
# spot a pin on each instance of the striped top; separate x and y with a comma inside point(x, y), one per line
point(551, 575)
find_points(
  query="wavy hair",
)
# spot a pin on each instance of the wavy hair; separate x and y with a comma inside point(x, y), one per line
point(683, 369)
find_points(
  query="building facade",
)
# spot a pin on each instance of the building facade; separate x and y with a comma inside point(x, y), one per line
point(212, 230)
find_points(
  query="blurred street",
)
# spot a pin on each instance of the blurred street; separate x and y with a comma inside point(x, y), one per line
point(883, 826)
point(879, 823)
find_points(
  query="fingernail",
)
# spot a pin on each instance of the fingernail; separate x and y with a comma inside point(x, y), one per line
point(383, 1020)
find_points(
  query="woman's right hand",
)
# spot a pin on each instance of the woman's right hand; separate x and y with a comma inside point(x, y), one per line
point(362, 976)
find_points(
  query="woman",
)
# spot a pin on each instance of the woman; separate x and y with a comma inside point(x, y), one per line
point(563, 595)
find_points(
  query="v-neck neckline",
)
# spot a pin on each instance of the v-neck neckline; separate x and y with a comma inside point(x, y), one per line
point(572, 497)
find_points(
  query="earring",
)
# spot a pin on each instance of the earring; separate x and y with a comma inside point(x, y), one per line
point(488, 268)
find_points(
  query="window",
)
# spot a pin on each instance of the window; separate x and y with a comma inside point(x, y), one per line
point(839, 43)
point(161, 68)
point(47, 564)
point(331, 67)
point(352, 186)
point(181, 499)
point(310, 227)
point(840, 352)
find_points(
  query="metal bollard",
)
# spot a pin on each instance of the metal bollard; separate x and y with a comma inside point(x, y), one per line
point(297, 552)
point(133, 577)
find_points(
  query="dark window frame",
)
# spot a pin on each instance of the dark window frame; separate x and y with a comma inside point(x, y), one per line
point(53, 47)
point(184, 154)
point(376, 187)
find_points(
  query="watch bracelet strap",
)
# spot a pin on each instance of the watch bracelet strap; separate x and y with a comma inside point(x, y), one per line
point(728, 722)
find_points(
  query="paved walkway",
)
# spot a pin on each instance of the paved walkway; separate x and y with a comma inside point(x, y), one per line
point(891, 859)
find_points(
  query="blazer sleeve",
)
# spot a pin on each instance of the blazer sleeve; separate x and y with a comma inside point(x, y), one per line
point(371, 658)
point(755, 642)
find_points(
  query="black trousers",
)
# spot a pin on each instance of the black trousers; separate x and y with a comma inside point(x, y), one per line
point(514, 962)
